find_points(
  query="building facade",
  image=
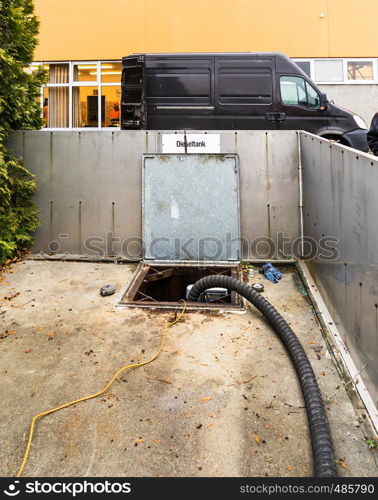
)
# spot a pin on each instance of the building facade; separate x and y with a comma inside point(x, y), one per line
point(81, 44)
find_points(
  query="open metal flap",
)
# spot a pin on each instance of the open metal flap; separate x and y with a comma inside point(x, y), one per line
point(191, 207)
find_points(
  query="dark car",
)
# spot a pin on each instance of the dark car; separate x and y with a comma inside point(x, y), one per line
point(240, 91)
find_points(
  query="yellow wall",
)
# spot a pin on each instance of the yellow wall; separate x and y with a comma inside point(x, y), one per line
point(111, 29)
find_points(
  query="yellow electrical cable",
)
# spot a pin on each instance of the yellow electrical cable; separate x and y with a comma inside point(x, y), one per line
point(53, 410)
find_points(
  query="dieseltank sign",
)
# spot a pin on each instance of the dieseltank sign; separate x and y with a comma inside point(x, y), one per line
point(190, 143)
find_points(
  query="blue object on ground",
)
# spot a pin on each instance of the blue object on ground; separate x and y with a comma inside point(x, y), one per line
point(271, 273)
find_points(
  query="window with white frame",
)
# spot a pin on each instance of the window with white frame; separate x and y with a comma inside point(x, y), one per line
point(340, 70)
point(305, 66)
point(360, 70)
point(81, 94)
point(329, 70)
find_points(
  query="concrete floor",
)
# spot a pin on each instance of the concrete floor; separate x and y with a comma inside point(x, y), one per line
point(222, 400)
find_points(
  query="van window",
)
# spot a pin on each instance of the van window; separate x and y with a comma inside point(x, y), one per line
point(296, 91)
point(313, 97)
point(244, 87)
point(175, 84)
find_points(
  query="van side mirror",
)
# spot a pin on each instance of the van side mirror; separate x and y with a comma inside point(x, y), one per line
point(323, 102)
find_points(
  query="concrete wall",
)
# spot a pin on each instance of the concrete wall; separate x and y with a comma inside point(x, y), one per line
point(361, 99)
point(90, 186)
point(340, 201)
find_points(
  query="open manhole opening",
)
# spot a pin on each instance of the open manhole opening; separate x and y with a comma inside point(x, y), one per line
point(163, 286)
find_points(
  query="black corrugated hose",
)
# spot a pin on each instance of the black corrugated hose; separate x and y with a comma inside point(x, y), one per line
point(322, 448)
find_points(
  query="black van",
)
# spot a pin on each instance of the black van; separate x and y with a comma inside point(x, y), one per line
point(224, 91)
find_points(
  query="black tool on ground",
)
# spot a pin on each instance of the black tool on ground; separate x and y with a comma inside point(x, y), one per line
point(107, 290)
point(324, 460)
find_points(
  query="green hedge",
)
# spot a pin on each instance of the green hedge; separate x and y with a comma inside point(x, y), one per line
point(19, 109)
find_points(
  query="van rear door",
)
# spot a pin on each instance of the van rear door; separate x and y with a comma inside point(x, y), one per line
point(299, 106)
point(244, 92)
point(133, 110)
point(180, 91)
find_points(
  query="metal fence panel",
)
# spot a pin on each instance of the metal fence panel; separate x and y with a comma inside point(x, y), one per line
point(90, 188)
point(340, 201)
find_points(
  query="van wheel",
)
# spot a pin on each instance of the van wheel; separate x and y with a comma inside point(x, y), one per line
point(337, 139)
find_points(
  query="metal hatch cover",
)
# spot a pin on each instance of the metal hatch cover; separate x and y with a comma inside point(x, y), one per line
point(191, 207)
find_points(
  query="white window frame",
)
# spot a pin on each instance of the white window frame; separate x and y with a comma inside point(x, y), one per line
point(106, 84)
point(360, 59)
point(71, 84)
point(345, 61)
point(311, 61)
point(332, 59)
point(91, 83)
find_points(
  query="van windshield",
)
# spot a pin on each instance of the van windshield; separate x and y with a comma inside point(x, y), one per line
point(296, 91)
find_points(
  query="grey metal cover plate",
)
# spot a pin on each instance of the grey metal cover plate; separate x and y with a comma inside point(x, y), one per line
point(191, 207)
